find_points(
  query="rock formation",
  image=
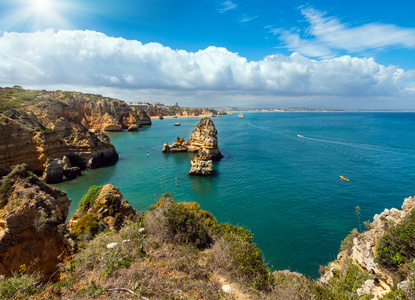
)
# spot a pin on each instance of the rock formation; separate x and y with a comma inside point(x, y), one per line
point(110, 208)
point(203, 140)
point(363, 251)
point(43, 150)
point(92, 111)
point(46, 127)
point(32, 225)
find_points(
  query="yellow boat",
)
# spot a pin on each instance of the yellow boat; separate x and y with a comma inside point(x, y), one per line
point(344, 178)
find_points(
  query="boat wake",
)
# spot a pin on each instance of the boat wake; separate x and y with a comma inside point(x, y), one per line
point(373, 147)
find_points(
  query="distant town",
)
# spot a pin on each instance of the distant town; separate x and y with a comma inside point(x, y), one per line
point(157, 106)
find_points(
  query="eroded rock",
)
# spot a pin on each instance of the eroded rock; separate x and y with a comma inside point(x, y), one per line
point(109, 208)
point(363, 251)
point(32, 226)
point(204, 141)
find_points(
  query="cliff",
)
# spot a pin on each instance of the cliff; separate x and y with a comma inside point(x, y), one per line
point(92, 111)
point(174, 250)
point(59, 133)
point(204, 141)
point(32, 225)
point(42, 150)
point(367, 251)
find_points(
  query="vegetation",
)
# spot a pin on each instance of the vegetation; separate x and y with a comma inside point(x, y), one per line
point(397, 247)
point(88, 200)
point(20, 286)
point(344, 284)
point(178, 251)
point(7, 182)
point(347, 243)
point(87, 224)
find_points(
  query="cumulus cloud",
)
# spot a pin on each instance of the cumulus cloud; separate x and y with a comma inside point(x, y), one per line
point(326, 34)
point(91, 59)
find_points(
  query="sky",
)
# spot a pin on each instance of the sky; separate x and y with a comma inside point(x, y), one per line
point(214, 53)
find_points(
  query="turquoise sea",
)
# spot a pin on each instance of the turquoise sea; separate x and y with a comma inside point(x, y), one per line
point(286, 189)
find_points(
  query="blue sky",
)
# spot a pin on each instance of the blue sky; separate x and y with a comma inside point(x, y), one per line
point(332, 54)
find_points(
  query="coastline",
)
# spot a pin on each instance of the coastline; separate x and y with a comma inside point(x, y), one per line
point(178, 117)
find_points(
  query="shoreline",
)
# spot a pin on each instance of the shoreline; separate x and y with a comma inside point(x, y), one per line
point(178, 117)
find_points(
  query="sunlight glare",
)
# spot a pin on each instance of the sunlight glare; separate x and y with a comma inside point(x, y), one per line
point(40, 6)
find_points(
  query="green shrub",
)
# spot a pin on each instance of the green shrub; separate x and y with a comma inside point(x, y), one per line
point(185, 226)
point(20, 285)
point(88, 223)
point(229, 229)
point(88, 200)
point(247, 257)
point(397, 247)
point(165, 199)
point(344, 284)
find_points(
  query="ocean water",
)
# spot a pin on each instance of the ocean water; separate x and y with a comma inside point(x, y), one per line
point(286, 189)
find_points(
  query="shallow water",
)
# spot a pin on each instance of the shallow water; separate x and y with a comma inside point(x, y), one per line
point(286, 189)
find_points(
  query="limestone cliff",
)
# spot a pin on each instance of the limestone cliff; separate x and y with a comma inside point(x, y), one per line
point(43, 128)
point(40, 149)
point(363, 252)
point(32, 225)
point(91, 111)
point(204, 141)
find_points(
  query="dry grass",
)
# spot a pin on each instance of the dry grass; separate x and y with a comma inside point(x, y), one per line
point(155, 264)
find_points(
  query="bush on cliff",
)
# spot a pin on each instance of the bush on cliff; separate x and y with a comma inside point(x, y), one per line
point(235, 254)
point(178, 223)
point(7, 182)
point(397, 247)
point(88, 224)
point(88, 200)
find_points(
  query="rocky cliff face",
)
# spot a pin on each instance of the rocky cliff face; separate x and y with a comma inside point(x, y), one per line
point(363, 251)
point(40, 150)
point(203, 140)
point(32, 225)
point(92, 111)
point(44, 129)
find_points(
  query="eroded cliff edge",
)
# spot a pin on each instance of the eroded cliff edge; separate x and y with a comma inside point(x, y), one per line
point(60, 133)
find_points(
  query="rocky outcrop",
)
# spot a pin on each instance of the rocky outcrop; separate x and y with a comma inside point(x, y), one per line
point(46, 126)
point(203, 140)
point(92, 111)
point(201, 166)
point(43, 150)
point(363, 251)
point(110, 209)
point(32, 225)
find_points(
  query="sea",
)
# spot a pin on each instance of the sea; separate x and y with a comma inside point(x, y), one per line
point(279, 176)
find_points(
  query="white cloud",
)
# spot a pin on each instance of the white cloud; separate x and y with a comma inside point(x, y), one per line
point(247, 18)
point(88, 60)
point(225, 6)
point(325, 35)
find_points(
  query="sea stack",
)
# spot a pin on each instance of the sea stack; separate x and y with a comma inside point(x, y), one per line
point(203, 140)
point(240, 116)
